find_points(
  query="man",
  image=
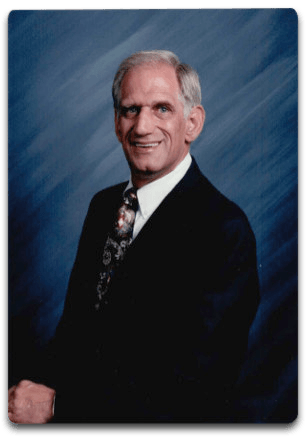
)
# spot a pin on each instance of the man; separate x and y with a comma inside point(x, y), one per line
point(164, 287)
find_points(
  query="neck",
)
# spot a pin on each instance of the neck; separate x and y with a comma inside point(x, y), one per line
point(142, 178)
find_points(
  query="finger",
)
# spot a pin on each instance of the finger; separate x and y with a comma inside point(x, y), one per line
point(11, 392)
point(11, 406)
point(11, 398)
point(11, 417)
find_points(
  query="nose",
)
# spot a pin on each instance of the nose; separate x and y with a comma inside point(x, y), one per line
point(144, 123)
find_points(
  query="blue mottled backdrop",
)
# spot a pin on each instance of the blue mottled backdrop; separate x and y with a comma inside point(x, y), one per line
point(62, 149)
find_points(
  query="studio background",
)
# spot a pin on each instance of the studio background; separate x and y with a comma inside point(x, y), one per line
point(62, 150)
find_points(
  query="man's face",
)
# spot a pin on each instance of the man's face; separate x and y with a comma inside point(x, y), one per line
point(151, 126)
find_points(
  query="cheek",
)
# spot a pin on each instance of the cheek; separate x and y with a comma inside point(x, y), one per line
point(122, 129)
point(178, 135)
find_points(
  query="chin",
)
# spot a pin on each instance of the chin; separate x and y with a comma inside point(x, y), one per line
point(145, 174)
point(144, 171)
point(145, 166)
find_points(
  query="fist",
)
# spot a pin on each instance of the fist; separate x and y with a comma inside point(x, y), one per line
point(30, 403)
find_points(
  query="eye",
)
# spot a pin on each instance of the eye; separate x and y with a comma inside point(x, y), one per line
point(133, 109)
point(129, 111)
point(163, 109)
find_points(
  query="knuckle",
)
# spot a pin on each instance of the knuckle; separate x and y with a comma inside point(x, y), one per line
point(24, 383)
point(18, 394)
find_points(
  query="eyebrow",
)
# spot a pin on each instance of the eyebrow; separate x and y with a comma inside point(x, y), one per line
point(163, 103)
point(158, 103)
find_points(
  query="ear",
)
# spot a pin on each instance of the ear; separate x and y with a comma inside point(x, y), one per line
point(195, 123)
point(116, 122)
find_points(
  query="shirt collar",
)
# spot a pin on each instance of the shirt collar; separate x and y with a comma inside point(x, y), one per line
point(151, 195)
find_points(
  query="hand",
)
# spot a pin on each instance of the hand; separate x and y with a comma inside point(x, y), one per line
point(30, 403)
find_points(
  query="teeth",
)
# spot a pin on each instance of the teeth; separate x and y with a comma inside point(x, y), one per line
point(146, 145)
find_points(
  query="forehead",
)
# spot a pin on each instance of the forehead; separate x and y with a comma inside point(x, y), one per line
point(150, 81)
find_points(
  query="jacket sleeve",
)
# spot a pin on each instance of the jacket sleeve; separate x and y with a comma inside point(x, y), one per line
point(71, 331)
point(206, 389)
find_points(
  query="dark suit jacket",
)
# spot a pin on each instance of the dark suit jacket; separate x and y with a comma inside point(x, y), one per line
point(169, 343)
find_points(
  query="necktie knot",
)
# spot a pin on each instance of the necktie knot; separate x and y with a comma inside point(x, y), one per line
point(130, 199)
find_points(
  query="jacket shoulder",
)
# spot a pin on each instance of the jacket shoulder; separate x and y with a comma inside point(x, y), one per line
point(216, 209)
point(209, 199)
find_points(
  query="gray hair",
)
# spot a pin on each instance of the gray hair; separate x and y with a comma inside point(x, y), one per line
point(187, 77)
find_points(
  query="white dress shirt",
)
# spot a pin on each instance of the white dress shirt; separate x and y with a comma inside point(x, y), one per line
point(151, 195)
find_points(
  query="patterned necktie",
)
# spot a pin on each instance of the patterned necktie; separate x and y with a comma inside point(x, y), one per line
point(117, 243)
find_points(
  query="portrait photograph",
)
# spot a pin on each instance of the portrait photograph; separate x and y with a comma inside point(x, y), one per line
point(153, 216)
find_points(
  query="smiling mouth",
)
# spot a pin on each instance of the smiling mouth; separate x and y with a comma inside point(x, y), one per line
point(147, 145)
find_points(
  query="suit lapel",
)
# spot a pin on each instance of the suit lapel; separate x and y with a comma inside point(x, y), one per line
point(173, 216)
